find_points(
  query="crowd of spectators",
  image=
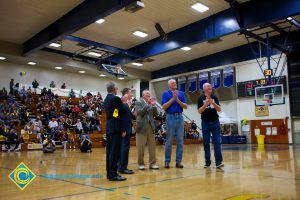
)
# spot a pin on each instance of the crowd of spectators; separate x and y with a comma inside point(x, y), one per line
point(61, 119)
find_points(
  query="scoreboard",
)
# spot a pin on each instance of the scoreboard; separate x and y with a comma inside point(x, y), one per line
point(247, 88)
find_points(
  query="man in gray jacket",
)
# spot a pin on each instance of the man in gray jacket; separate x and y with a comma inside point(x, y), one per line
point(146, 110)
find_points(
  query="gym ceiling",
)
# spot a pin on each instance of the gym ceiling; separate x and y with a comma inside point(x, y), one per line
point(67, 34)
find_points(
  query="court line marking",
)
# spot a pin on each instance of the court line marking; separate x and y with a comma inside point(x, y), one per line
point(70, 195)
point(135, 185)
point(77, 183)
point(177, 178)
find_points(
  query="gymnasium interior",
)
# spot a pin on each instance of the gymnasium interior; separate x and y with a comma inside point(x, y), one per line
point(56, 58)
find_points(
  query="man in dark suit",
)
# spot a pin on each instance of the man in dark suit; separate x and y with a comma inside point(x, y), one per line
point(115, 130)
point(123, 163)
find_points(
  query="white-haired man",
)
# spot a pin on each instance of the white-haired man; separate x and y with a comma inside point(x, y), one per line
point(146, 110)
point(208, 107)
point(174, 102)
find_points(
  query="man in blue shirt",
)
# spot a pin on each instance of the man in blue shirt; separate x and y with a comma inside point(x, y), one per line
point(174, 102)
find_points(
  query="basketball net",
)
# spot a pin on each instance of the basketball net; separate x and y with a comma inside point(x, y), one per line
point(267, 102)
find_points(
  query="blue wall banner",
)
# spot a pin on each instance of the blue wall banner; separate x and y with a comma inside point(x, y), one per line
point(192, 83)
point(228, 77)
point(182, 83)
point(203, 78)
point(215, 79)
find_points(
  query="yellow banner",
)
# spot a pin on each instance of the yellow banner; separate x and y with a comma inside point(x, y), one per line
point(261, 111)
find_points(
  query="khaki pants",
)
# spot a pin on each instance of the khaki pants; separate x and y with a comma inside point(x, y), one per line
point(141, 140)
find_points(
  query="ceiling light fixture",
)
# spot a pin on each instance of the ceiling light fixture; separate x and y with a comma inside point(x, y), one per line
point(2, 58)
point(81, 72)
point(31, 63)
point(58, 67)
point(102, 75)
point(100, 21)
point(137, 64)
point(289, 18)
point(121, 78)
point(186, 48)
point(140, 34)
point(54, 44)
point(94, 54)
point(200, 7)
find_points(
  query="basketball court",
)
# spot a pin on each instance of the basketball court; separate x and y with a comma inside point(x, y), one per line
point(57, 58)
point(250, 173)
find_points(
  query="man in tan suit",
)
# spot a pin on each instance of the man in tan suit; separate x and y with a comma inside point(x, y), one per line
point(145, 129)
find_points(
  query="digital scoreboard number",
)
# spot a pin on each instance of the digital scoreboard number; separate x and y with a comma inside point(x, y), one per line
point(247, 88)
point(268, 72)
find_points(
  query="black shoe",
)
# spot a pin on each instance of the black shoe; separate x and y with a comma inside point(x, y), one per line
point(117, 178)
point(167, 165)
point(179, 165)
point(220, 165)
point(206, 166)
point(126, 171)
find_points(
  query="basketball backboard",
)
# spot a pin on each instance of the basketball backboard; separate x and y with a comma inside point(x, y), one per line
point(269, 95)
point(116, 70)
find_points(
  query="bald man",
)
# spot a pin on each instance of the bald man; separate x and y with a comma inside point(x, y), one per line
point(208, 107)
point(174, 102)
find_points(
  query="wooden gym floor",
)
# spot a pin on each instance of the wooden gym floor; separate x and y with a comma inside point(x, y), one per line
point(272, 172)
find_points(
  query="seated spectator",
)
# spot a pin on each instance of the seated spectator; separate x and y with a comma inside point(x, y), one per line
point(44, 91)
point(193, 126)
point(76, 111)
point(3, 94)
point(72, 94)
point(90, 113)
point(60, 131)
point(89, 94)
point(35, 85)
point(28, 98)
point(52, 84)
point(28, 128)
point(53, 126)
point(23, 93)
point(44, 135)
point(29, 89)
point(16, 89)
point(63, 86)
point(48, 145)
point(12, 138)
point(79, 127)
point(39, 105)
point(85, 144)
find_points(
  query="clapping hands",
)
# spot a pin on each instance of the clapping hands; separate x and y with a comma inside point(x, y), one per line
point(175, 94)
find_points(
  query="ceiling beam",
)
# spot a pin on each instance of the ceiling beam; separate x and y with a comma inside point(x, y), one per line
point(295, 23)
point(227, 57)
point(279, 30)
point(102, 46)
point(85, 59)
point(81, 16)
point(253, 13)
point(264, 41)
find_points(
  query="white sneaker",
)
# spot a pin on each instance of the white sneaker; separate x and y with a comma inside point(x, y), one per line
point(141, 167)
point(154, 166)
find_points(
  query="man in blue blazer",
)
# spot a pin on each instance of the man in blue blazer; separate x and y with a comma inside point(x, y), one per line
point(115, 130)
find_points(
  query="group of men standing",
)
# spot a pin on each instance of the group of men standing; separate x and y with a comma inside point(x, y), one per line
point(119, 115)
